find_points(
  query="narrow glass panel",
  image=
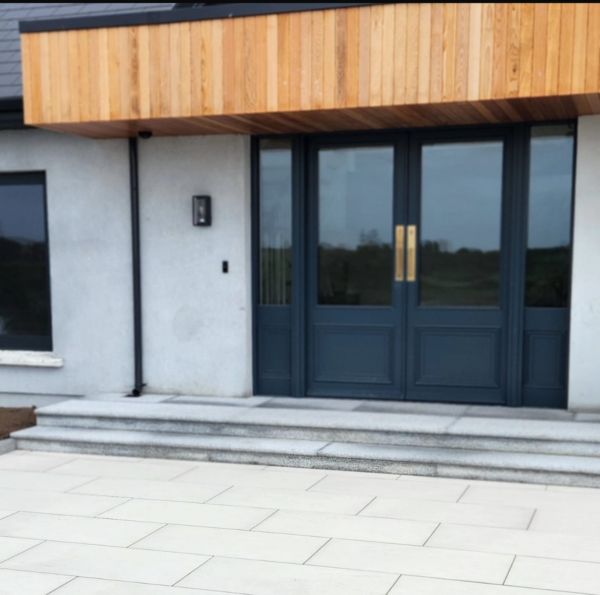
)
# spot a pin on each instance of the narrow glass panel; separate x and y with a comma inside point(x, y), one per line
point(550, 206)
point(275, 222)
point(356, 195)
point(24, 287)
point(461, 220)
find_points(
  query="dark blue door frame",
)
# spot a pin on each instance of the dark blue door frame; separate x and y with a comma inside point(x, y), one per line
point(515, 325)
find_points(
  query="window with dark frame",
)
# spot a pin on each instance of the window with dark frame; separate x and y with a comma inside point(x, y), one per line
point(25, 312)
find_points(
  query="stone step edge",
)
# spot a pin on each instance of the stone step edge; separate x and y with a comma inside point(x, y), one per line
point(328, 463)
point(235, 428)
point(186, 445)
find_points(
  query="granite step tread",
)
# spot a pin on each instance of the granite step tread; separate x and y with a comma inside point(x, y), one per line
point(189, 441)
point(78, 411)
point(406, 454)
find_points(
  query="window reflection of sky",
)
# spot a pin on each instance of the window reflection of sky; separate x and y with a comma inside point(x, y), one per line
point(22, 213)
point(462, 195)
point(356, 196)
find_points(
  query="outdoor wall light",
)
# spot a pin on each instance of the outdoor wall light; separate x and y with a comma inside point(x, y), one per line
point(202, 212)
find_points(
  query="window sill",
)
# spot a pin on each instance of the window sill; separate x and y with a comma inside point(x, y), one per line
point(31, 359)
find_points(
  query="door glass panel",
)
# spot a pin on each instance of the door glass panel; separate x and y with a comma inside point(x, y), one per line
point(356, 195)
point(550, 206)
point(275, 222)
point(461, 220)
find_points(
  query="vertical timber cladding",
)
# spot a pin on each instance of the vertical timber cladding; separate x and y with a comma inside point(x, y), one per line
point(362, 67)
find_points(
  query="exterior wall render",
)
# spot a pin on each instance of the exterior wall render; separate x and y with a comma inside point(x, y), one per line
point(90, 261)
point(584, 381)
point(197, 320)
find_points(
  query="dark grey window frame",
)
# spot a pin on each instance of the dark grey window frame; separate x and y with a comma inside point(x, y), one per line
point(32, 342)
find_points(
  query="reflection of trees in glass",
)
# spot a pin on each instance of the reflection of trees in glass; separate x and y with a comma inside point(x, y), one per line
point(548, 277)
point(466, 277)
point(276, 275)
point(360, 276)
point(24, 299)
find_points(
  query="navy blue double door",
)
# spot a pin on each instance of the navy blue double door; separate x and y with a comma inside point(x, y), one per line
point(427, 266)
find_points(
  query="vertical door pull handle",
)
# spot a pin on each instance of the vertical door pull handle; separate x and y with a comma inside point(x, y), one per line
point(412, 254)
point(400, 233)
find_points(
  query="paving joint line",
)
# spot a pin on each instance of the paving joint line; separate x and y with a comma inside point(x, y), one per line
point(395, 583)
point(531, 519)
point(111, 508)
point(162, 526)
point(192, 572)
point(432, 534)
point(63, 585)
point(41, 542)
point(217, 495)
point(263, 521)
point(315, 553)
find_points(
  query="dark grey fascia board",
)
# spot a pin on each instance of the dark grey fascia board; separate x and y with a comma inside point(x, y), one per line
point(183, 15)
point(11, 114)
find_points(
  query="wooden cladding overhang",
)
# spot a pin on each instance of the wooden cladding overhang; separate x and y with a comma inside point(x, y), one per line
point(346, 68)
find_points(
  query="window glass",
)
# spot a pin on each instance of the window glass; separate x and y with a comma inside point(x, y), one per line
point(275, 222)
point(356, 206)
point(549, 221)
point(24, 270)
point(461, 222)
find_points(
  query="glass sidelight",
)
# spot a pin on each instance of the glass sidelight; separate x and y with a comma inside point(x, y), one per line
point(275, 177)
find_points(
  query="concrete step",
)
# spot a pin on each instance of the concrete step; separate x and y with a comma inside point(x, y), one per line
point(392, 429)
point(440, 462)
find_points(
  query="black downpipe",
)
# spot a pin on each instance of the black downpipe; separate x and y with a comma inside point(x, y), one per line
point(137, 269)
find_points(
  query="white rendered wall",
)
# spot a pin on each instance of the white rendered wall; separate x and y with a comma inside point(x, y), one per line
point(197, 320)
point(90, 261)
point(584, 367)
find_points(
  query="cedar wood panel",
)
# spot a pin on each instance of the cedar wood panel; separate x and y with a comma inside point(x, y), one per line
point(365, 67)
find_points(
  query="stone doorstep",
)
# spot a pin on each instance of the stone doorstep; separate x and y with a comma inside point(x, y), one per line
point(147, 442)
point(359, 421)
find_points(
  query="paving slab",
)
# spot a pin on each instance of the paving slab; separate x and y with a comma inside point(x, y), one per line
point(406, 559)
point(416, 585)
point(348, 527)
point(185, 513)
point(508, 517)
point(558, 575)
point(232, 543)
point(152, 490)
point(112, 563)
point(13, 582)
point(273, 578)
point(560, 546)
point(293, 500)
point(89, 586)
point(56, 503)
point(71, 529)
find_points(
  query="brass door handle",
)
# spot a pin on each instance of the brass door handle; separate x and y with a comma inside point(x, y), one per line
point(400, 233)
point(412, 254)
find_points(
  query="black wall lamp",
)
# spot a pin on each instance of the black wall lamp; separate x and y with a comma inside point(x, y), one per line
point(202, 211)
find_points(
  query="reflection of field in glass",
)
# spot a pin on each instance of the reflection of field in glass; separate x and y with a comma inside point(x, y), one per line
point(462, 278)
point(24, 300)
point(356, 277)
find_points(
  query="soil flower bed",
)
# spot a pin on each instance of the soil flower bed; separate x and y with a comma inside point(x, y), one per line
point(13, 419)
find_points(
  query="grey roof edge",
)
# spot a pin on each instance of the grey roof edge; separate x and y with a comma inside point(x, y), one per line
point(159, 17)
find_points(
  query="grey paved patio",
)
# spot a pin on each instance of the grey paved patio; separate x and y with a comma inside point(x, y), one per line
point(85, 525)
